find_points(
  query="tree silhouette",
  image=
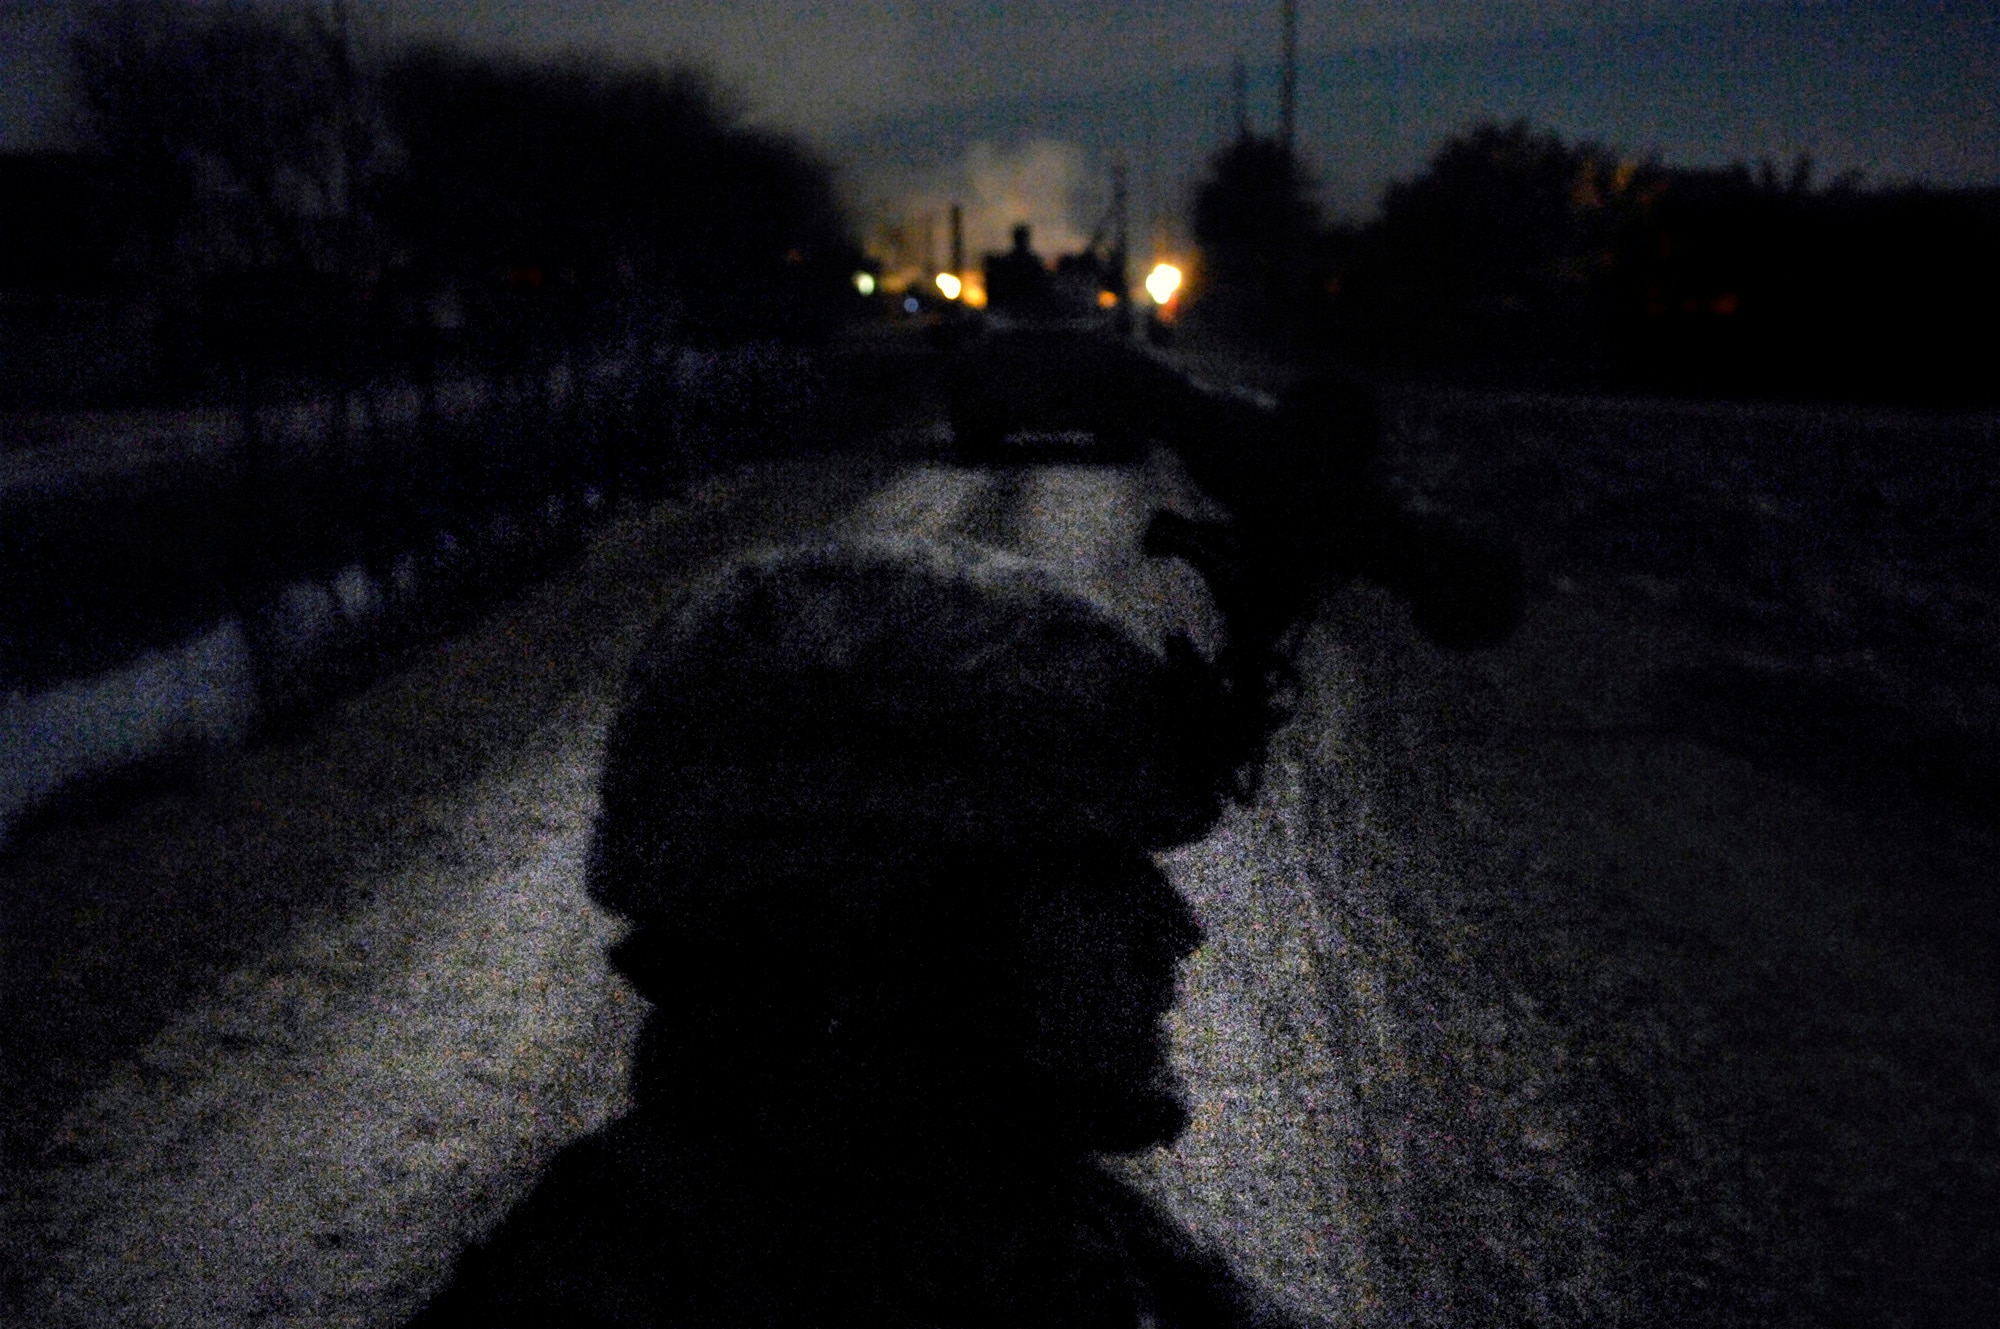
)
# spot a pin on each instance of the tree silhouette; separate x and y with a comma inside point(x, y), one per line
point(243, 151)
point(288, 188)
point(1257, 224)
point(572, 183)
point(1517, 257)
point(1496, 258)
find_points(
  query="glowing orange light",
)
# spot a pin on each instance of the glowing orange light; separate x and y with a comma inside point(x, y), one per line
point(1107, 300)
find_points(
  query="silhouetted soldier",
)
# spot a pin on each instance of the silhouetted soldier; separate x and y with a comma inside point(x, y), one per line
point(1311, 507)
point(882, 815)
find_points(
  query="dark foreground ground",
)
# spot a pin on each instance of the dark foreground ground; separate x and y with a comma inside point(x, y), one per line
point(1707, 856)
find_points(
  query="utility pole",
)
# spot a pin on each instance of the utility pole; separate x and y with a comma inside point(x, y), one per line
point(345, 273)
point(1239, 81)
point(957, 240)
point(1288, 89)
point(1121, 282)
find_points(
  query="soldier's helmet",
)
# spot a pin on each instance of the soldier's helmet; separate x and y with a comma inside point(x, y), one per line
point(904, 687)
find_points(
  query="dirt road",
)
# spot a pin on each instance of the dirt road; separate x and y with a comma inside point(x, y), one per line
point(302, 1028)
point(1523, 1002)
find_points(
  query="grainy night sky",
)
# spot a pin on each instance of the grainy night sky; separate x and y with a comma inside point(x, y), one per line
point(900, 92)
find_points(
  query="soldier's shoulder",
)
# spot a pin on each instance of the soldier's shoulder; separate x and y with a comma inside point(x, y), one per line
point(593, 1245)
point(1189, 1283)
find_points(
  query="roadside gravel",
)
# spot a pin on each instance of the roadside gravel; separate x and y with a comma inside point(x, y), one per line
point(1644, 1032)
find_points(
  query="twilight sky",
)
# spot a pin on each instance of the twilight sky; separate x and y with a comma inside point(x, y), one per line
point(1030, 94)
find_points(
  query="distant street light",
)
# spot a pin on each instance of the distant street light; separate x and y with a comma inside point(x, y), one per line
point(864, 282)
point(950, 285)
point(1162, 282)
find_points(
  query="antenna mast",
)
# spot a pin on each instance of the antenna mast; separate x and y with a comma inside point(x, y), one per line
point(1288, 88)
point(1121, 282)
point(1240, 86)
